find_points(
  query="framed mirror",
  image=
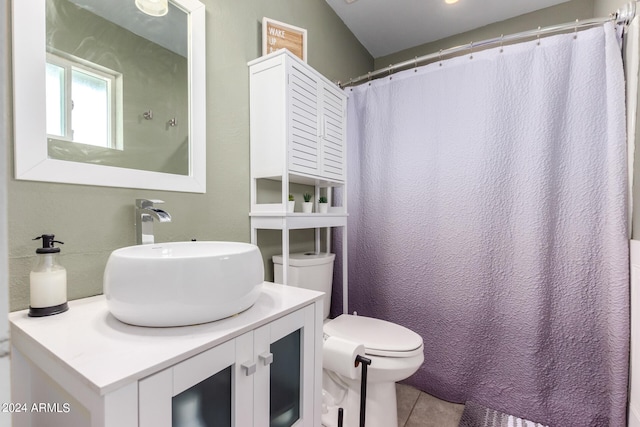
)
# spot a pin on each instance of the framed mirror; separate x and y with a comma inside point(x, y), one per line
point(107, 95)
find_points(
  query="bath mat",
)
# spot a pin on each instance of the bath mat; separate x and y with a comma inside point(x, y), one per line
point(476, 415)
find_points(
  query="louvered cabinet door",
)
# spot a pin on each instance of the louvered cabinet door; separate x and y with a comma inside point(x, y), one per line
point(333, 134)
point(303, 149)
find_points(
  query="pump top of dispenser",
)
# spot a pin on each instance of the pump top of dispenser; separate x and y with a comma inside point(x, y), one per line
point(47, 244)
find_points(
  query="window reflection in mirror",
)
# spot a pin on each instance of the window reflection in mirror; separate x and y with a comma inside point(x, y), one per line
point(117, 86)
point(82, 100)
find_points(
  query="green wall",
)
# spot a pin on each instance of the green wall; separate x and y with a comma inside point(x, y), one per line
point(93, 221)
point(605, 7)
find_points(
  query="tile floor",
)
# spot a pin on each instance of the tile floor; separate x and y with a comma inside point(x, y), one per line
point(419, 409)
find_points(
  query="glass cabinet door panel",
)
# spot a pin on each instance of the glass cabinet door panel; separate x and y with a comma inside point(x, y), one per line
point(206, 404)
point(285, 381)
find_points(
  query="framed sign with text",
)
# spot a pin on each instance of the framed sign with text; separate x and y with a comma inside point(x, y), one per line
point(278, 35)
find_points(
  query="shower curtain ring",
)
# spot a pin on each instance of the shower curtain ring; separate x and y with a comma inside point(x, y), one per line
point(390, 68)
point(501, 43)
point(575, 30)
point(415, 68)
point(440, 57)
point(369, 77)
point(538, 36)
point(471, 48)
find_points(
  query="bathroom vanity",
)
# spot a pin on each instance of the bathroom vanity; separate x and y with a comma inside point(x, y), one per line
point(261, 367)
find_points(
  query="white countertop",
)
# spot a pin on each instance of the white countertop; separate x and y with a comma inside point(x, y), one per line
point(106, 354)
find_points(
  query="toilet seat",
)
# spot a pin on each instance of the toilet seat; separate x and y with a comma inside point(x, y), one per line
point(379, 337)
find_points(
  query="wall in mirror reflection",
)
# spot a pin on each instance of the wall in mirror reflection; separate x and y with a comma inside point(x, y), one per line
point(114, 97)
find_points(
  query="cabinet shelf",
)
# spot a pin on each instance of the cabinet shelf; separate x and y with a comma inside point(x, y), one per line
point(279, 209)
point(296, 221)
point(295, 178)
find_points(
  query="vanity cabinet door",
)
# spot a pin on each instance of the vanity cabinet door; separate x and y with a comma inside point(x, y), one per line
point(284, 388)
point(211, 389)
point(264, 378)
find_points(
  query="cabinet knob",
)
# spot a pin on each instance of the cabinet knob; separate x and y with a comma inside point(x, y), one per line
point(266, 358)
point(249, 368)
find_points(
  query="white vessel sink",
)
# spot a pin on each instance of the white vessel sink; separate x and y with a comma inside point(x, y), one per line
point(182, 283)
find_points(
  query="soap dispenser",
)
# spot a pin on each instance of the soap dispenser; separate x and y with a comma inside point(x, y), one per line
point(47, 281)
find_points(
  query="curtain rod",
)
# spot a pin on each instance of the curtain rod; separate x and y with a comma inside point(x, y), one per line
point(622, 16)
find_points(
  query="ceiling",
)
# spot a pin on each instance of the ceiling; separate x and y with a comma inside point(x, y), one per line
point(388, 26)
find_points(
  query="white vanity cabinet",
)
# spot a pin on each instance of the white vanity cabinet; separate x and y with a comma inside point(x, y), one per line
point(261, 367)
point(256, 380)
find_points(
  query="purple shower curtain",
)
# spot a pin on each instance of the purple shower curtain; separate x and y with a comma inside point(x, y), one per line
point(487, 212)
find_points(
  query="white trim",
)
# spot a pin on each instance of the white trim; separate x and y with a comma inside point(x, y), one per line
point(631, 68)
point(634, 359)
point(70, 63)
point(5, 362)
point(31, 159)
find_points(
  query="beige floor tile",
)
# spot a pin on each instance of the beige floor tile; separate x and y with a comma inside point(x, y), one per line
point(432, 412)
point(407, 397)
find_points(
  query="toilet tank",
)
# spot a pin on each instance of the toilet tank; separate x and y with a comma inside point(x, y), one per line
point(308, 270)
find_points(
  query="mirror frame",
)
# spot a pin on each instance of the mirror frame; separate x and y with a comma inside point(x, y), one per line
point(30, 140)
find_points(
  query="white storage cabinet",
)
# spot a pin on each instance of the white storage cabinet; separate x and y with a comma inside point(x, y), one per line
point(298, 122)
point(298, 135)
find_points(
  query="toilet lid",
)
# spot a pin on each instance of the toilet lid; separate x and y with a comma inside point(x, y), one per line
point(379, 337)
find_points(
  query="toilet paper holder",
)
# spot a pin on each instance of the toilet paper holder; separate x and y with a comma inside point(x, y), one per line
point(363, 391)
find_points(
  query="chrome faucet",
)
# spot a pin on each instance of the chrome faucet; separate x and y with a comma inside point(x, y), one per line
point(145, 214)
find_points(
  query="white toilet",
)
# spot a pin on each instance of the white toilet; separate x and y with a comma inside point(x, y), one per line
point(395, 351)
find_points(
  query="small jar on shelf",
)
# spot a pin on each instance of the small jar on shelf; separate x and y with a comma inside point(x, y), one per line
point(323, 205)
point(307, 206)
point(291, 204)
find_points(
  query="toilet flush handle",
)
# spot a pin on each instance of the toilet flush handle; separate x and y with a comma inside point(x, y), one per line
point(266, 358)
